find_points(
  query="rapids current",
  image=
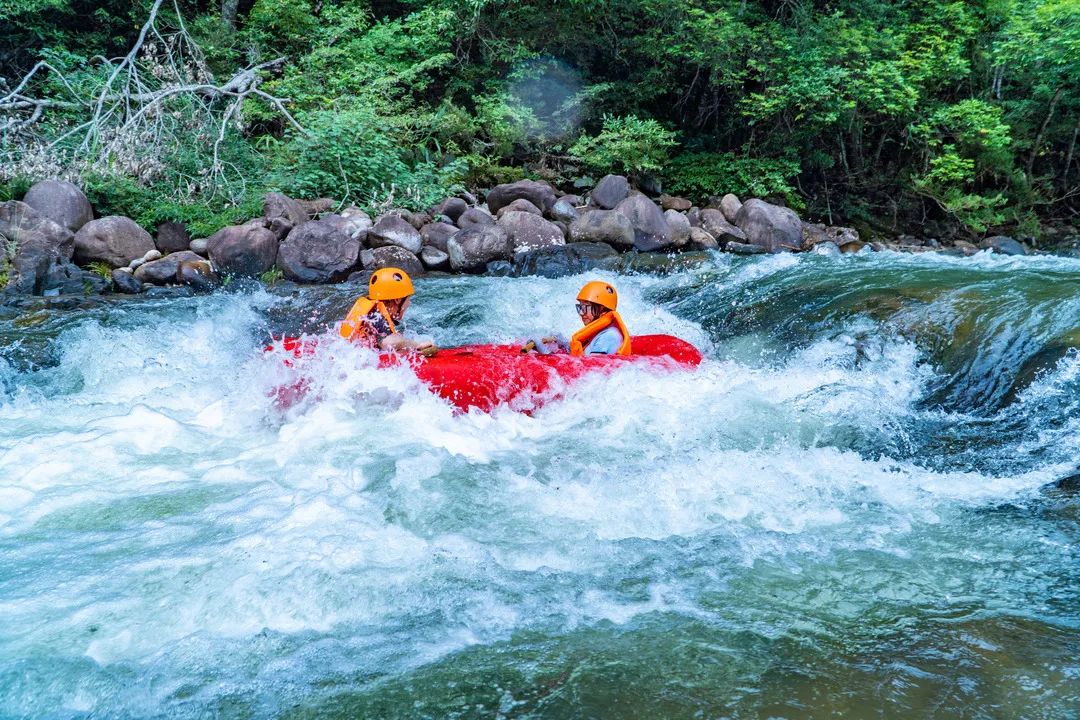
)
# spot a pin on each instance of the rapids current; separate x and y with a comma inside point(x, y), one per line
point(844, 512)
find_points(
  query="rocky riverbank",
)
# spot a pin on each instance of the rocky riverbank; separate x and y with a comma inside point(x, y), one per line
point(53, 245)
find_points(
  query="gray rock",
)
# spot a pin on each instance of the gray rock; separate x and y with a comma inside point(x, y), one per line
point(391, 256)
point(451, 208)
point(679, 227)
point(817, 233)
point(243, 250)
point(609, 192)
point(499, 268)
point(198, 274)
point(354, 221)
point(474, 217)
point(564, 260)
point(606, 226)
point(714, 223)
point(394, 230)
point(200, 245)
point(416, 220)
point(730, 206)
point(62, 202)
point(775, 228)
point(745, 248)
point(529, 231)
point(436, 234)
point(39, 245)
point(651, 231)
point(1003, 245)
point(126, 282)
point(563, 211)
point(163, 271)
point(519, 205)
point(434, 259)
point(668, 202)
point(473, 249)
point(282, 213)
point(114, 240)
point(693, 215)
point(160, 292)
point(68, 279)
point(321, 251)
point(172, 237)
point(539, 194)
point(702, 240)
point(574, 200)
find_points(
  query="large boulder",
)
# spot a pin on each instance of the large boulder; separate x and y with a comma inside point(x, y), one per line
point(282, 213)
point(474, 217)
point(1003, 245)
point(395, 230)
point(563, 210)
point(538, 193)
point(198, 274)
point(651, 231)
point(819, 234)
point(319, 251)
point(247, 250)
point(528, 231)
point(62, 202)
point(473, 249)
point(609, 192)
point(163, 271)
point(30, 245)
point(390, 256)
point(124, 282)
point(702, 240)
point(70, 279)
point(714, 223)
point(563, 260)
point(436, 234)
point(451, 208)
point(669, 202)
point(774, 228)
point(606, 226)
point(172, 237)
point(434, 259)
point(114, 240)
point(730, 206)
point(679, 227)
point(519, 205)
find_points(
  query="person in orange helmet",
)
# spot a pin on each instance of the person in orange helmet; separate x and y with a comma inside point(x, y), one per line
point(604, 333)
point(375, 319)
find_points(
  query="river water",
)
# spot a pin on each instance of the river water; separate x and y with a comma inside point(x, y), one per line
point(843, 512)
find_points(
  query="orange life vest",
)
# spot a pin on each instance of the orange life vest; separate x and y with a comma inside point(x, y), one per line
point(355, 326)
point(585, 335)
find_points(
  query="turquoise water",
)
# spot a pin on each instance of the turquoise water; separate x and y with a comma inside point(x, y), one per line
point(843, 512)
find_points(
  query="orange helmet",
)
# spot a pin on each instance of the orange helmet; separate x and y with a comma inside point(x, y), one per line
point(389, 284)
point(601, 293)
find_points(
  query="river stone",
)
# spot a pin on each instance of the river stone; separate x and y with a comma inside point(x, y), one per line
point(714, 223)
point(125, 282)
point(200, 245)
point(474, 217)
point(701, 240)
point(436, 234)
point(679, 227)
point(519, 205)
point(693, 216)
point(66, 278)
point(739, 248)
point(413, 219)
point(528, 231)
point(39, 244)
point(730, 206)
point(114, 240)
point(668, 202)
point(539, 194)
point(564, 260)
point(390, 256)
point(434, 259)
point(282, 213)
point(163, 271)
point(775, 228)
point(198, 274)
point(651, 231)
point(563, 211)
point(172, 237)
point(320, 251)
point(575, 201)
point(472, 249)
point(62, 202)
point(243, 250)
point(609, 192)
point(395, 230)
point(1003, 245)
point(606, 226)
point(451, 208)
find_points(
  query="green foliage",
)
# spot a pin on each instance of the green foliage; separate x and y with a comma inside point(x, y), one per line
point(272, 276)
point(102, 269)
point(698, 175)
point(626, 143)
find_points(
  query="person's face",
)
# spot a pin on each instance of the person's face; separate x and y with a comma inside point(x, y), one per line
point(587, 312)
point(397, 311)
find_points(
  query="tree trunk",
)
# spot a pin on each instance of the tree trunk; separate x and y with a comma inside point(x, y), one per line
point(229, 9)
point(1042, 131)
point(1069, 155)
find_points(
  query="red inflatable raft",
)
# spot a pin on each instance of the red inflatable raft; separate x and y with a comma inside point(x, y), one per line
point(484, 376)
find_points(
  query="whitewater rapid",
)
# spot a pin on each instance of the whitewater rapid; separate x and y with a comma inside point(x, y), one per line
point(844, 495)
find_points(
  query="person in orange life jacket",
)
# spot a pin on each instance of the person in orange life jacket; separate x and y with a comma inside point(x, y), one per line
point(604, 333)
point(374, 320)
